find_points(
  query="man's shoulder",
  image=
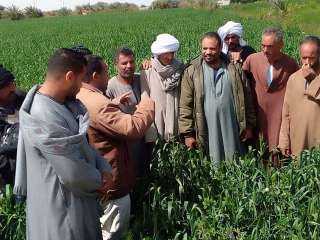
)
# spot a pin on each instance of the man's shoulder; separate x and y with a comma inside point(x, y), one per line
point(296, 75)
point(90, 95)
point(255, 56)
point(193, 64)
point(113, 81)
point(91, 99)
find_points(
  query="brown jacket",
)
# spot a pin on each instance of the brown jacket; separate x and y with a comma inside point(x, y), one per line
point(109, 131)
point(192, 120)
point(300, 115)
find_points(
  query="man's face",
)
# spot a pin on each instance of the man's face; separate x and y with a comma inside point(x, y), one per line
point(166, 58)
point(210, 50)
point(126, 66)
point(270, 47)
point(233, 41)
point(101, 79)
point(310, 54)
point(7, 94)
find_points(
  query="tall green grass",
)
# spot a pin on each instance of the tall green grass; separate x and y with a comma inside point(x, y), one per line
point(188, 198)
point(185, 197)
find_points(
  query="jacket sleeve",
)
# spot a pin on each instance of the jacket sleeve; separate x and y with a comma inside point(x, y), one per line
point(186, 106)
point(284, 135)
point(251, 118)
point(112, 121)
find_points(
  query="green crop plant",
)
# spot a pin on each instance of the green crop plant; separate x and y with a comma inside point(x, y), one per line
point(12, 217)
point(184, 196)
point(26, 45)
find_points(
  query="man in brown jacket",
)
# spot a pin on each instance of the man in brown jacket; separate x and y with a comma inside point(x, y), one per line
point(109, 132)
point(216, 111)
point(301, 108)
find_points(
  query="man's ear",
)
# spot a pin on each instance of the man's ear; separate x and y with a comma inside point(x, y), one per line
point(95, 76)
point(70, 76)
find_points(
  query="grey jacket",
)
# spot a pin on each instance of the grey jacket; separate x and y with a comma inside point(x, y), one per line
point(57, 170)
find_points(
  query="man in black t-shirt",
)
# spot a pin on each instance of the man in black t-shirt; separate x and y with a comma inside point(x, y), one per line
point(10, 102)
point(233, 44)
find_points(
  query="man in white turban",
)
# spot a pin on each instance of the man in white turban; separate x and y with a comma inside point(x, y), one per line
point(162, 82)
point(233, 43)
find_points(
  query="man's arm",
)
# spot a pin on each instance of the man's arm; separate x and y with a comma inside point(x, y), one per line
point(251, 118)
point(186, 110)
point(186, 106)
point(112, 121)
point(77, 175)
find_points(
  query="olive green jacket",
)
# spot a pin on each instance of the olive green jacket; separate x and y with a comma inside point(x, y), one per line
point(192, 120)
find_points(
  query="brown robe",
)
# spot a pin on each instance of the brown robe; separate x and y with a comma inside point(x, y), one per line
point(300, 116)
point(269, 99)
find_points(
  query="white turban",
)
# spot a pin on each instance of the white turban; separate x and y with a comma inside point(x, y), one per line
point(231, 28)
point(164, 43)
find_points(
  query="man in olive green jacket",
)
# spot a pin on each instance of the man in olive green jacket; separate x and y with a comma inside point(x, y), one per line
point(216, 111)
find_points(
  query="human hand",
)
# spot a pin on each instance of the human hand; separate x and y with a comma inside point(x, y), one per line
point(235, 57)
point(308, 73)
point(146, 64)
point(190, 142)
point(123, 99)
point(246, 134)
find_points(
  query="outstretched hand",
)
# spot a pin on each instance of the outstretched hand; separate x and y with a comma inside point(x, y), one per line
point(123, 99)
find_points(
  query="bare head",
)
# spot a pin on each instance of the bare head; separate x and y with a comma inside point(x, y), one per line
point(66, 71)
point(211, 46)
point(97, 72)
point(272, 43)
point(310, 52)
point(125, 62)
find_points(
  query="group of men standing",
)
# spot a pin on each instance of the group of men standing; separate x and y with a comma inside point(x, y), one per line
point(84, 137)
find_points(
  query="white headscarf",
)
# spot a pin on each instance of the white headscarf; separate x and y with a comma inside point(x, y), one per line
point(164, 43)
point(231, 28)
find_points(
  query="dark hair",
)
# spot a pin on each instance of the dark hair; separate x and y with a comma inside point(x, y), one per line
point(122, 51)
point(6, 77)
point(94, 65)
point(64, 60)
point(81, 49)
point(311, 39)
point(213, 35)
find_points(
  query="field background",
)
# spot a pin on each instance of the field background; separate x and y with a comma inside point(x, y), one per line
point(27, 44)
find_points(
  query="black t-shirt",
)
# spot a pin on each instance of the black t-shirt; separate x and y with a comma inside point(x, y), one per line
point(246, 51)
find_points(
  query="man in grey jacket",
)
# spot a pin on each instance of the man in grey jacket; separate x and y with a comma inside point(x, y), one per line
point(57, 170)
